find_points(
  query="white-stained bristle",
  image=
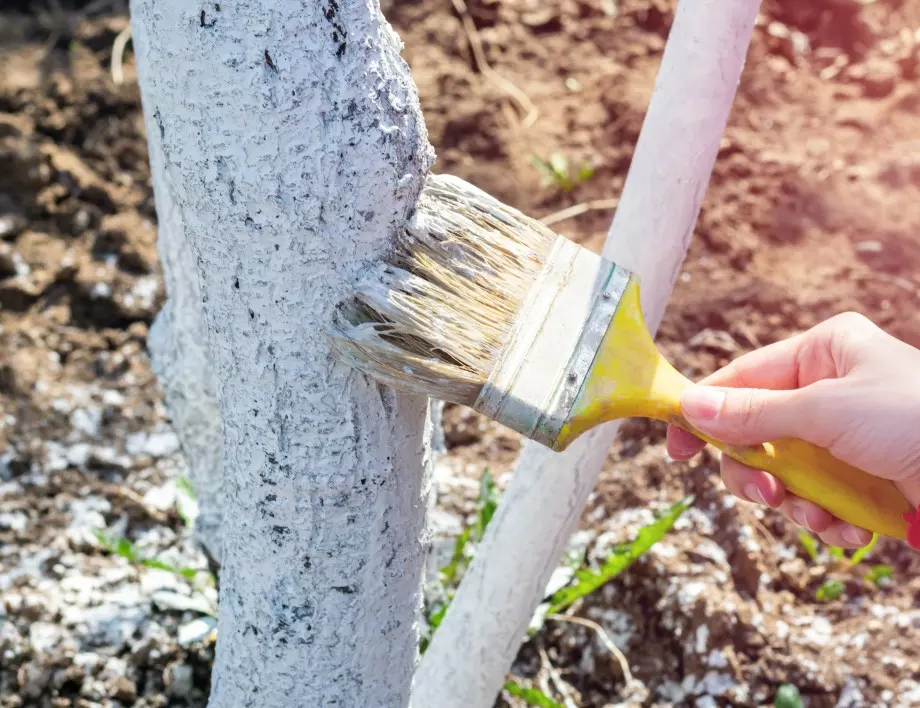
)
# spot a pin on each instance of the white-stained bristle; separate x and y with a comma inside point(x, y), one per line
point(434, 316)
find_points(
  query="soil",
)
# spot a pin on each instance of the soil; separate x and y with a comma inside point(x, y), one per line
point(813, 209)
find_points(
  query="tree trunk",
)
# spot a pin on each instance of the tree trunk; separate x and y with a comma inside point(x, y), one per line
point(178, 349)
point(292, 147)
point(466, 662)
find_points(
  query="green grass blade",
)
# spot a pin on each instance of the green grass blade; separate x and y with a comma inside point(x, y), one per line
point(531, 696)
point(185, 484)
point(622, 556)
point(860, 554)
point(879, 573)
point(809, 544)
point(830, 590)
point(487, 503)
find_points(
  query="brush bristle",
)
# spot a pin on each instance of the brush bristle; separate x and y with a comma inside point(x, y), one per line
point(434, 316)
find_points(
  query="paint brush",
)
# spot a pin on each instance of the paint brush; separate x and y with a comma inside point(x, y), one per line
point(479, 305)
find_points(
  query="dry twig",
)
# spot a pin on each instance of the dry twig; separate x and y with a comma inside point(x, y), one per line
point(605, 640)
point(482, 64)
point(561, 686)
point(578, 209)
point(118, 54)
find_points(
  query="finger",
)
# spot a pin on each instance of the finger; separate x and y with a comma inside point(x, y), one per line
point(681, 444)
point(805, 514)
point(746, 416)
point(752, 485)
point(845, 535)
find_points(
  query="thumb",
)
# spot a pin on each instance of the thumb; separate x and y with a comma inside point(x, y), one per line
point(746, 416)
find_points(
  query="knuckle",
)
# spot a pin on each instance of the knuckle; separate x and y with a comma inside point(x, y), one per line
point(749, 409)
point(851, 322)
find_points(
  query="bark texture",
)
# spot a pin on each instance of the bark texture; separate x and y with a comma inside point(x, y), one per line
point(179, 352)
point(293, 146)
point(466, 663)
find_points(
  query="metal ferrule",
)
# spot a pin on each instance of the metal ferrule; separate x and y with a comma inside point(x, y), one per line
point(536, 381)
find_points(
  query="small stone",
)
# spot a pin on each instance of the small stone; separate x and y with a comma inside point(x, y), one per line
point(33, 679)
point(159, 444)
point(44, 636)
point(877, 77)
point(123, 689)
point(8, 261)
point(179, 680)
point(716, 340)
point(545, 19)
point(11, 225)
point(197, 630)
point(870, 246)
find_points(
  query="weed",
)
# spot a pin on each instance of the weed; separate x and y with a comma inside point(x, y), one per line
point(832, 589)
point(123, 547)
point(788, 696)
point(531, 696)
point(186, 498)
point(878, 573)
point(464, 548)
point(588, 580)
point(557, 173)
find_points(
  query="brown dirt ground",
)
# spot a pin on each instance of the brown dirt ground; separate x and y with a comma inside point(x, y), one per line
point(813, 209)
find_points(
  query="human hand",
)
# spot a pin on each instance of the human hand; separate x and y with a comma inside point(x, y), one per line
point(845, 385)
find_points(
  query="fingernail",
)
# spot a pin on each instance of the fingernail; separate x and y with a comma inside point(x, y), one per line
point(800, 517)
point(753, 493)
point(854, 536)
point(702, 403)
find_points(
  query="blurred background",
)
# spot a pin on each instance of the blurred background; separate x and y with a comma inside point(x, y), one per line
point(813, 209)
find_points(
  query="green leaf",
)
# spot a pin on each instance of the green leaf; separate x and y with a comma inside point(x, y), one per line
point(451, 573)
point(809, 544)
point(585, 173)
point(531, 696)
point(788, 696)
point(860, 554)
point(830, 590)
point(621, 557)
point(835, 552)
point(878, 573)
point(559, 164)
point(124, 548)
point(487, 503)
point(185, 484)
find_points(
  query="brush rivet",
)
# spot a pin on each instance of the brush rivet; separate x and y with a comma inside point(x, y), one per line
point(573, 377)
point(605, 295)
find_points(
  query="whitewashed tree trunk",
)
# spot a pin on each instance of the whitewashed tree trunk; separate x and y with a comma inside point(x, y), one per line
point(292, 140)
point(467, 661)
point(178, 349)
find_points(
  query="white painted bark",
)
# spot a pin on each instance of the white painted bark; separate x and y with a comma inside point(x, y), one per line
point(472, 650)
point(179, 353)
point(292, 140)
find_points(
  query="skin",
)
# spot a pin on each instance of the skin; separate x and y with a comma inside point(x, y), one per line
point(845, 385)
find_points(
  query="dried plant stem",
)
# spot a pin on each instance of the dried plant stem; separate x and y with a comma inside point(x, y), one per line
point(578, 210)
point(118, 55)
point(482, 64)
point(605, 640)
point(552, 673)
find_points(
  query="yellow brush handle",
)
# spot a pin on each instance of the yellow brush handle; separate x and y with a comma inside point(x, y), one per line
point(809, 472)
point(630, 378)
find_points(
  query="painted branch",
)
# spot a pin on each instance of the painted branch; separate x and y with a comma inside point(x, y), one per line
point(292, 146)
point(179, 353)
point(472, 650)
